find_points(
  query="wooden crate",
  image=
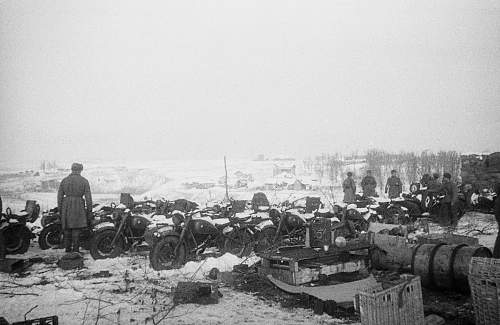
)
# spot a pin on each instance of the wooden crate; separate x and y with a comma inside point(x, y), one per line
point(298, 265)
point(399, 305)
point(484, 281)
point(301, 271)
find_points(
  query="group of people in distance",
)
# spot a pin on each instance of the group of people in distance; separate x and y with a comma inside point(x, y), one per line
point(393, 187)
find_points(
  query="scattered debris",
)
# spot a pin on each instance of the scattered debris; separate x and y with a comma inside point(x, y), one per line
point(71, 261)
point(202, 293)
point(50, 320)
point(10, 265)
point(342, 293)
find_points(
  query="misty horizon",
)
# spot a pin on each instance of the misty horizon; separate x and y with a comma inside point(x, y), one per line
point(169, 80)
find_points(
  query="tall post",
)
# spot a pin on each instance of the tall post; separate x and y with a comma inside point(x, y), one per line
point(225, 181)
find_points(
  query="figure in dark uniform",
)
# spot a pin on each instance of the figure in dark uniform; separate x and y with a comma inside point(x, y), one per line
point(447, 211)
point(75, 205)
point(496, 248)
point(349, 187)
point(369, 184)
point(394, 186)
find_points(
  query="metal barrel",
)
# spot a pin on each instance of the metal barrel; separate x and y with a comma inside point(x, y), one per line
point(422, 262)
point(461, 264)
point(442, 266)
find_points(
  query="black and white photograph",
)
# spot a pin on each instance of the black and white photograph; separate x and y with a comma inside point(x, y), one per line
point(276, 162)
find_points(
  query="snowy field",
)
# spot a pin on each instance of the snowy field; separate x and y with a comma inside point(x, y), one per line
point(154, 179)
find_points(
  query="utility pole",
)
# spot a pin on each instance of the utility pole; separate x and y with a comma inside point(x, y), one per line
point(225, 168)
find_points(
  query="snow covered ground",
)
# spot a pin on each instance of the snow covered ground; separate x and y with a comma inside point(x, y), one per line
point(134, 294)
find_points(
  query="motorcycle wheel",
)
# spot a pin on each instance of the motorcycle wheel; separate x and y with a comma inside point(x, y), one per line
point(239, 243)
point(265, 239)
point(426, 204)
point(100, 245)
point(162, 256)
point(414, 187)
point(50, 237)
point(16, 241)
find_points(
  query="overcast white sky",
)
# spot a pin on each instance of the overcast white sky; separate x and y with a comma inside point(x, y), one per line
point(200, 79)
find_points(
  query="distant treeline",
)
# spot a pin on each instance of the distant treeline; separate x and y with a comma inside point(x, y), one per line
point(410, 166)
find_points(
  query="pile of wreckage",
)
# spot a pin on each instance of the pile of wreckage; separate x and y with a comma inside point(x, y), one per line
point(328, 255)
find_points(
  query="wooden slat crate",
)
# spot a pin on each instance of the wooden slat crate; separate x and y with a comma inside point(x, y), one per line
point(399, 305)
point(484, 281)
point(297, 272)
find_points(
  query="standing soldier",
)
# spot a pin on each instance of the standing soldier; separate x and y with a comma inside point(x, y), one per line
point(393, 186)
point(447, 213)
point(434, 185)
point(369, 184)
point(496, 248)
point(75, 211)
point(349, 186)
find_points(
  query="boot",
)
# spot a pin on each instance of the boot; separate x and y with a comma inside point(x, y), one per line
point(76, 240)
point(67, 240)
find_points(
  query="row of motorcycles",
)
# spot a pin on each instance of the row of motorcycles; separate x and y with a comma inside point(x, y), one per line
point(176, 231)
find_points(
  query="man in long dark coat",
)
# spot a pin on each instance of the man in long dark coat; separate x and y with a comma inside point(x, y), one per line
point(369, 184)
point(349, 187)
point(75, 210)
point(496, 248)
point(447, 211)
point(394, 186)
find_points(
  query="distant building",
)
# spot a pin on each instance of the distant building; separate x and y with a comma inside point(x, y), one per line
point(297, 186)
point(279, 169)
point(260, 157)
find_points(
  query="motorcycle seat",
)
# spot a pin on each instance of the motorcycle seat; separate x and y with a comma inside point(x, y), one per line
point(305, 216)
point(335, 219)
point(221, 222)
point(261, 215)
point(309, 216)
point(264, 223)
point(243, 216)
point(263, 208)
point(161, 219)
point(352, 206)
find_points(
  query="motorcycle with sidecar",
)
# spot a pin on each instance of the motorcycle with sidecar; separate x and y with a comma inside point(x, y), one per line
point(191, 233)
point(51, 235)
point(125, 231)
point(15, 230)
